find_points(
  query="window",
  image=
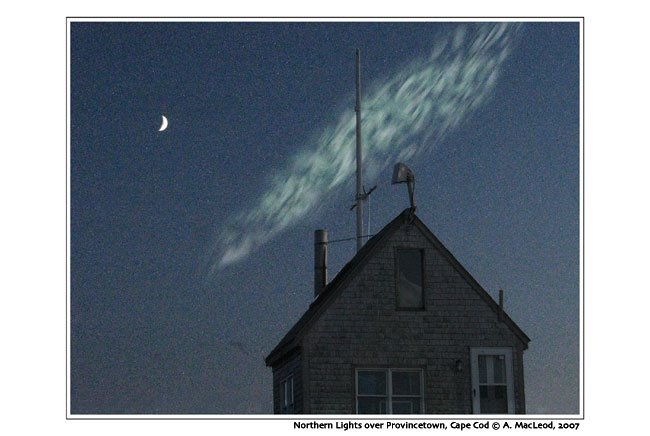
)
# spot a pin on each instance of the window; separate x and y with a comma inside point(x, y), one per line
point(389, 391)
point(492, 380)
point(286, 395)
point(410, 283)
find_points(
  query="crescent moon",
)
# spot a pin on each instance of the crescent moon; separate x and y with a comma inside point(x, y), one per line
point(164, 124)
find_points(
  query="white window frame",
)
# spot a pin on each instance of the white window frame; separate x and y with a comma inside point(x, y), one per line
point(287, 395)
point(510, 386)
point(389, 387)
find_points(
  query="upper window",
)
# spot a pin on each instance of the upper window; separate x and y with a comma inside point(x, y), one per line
point(389, 391)
point(286, 395)
point(410, 281)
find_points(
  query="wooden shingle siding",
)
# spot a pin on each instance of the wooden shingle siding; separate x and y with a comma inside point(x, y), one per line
point(361, 327)
point(290, 367)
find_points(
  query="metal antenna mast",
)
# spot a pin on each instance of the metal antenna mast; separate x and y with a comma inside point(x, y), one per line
point(360, 193)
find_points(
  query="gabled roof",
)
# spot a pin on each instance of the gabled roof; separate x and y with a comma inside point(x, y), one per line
point(292, 339)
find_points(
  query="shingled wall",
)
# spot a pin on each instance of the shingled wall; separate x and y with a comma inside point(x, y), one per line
point(362, 328)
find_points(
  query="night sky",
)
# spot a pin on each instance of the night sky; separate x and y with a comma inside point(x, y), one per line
point(191, 248)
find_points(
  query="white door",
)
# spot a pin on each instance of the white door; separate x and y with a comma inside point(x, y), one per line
point(492, 380)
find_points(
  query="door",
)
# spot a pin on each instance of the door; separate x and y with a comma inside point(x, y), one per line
point(492, 381)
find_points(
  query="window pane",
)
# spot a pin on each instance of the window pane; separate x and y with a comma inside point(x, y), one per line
point(482, 369)
point(409, 281)
point(406, 383)
point(499, 369)
point(372, 406)
point(372, 382)
point(494, 399)
point(284, 394)
point(492, 368)
point(406, 406)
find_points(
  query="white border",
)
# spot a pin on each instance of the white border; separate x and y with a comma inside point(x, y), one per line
point(81, 18)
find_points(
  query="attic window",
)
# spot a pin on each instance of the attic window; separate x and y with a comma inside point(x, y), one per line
point(410, 283)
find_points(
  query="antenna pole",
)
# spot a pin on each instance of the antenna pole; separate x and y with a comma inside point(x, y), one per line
point(359, 199)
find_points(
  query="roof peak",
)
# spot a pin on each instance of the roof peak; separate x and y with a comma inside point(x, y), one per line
point(407, 216)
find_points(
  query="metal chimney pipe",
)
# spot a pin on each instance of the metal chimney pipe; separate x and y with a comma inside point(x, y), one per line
point(320, 261)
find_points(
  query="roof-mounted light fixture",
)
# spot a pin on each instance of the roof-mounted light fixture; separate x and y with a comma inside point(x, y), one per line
point(403, 174)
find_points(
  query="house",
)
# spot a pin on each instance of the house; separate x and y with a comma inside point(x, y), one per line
point(403, 328)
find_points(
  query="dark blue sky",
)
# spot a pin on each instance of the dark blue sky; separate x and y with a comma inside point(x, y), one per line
point(152, 213)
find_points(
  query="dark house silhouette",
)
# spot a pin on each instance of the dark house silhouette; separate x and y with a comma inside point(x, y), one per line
point(402, 329)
